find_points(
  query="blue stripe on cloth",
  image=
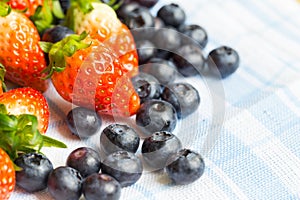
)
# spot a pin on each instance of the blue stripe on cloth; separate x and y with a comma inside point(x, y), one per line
point(238, 162)
point(274, 116)
point(269, 21)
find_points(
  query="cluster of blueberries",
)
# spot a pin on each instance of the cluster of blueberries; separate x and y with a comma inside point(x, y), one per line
point(167, 48)
point(86, 174)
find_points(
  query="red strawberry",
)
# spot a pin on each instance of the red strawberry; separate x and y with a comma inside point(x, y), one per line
point(20, 52)
point(92, 76)
point(27, 101)
point(101, 21)
point(27, 6)
point(7, 176)
point(23, 114)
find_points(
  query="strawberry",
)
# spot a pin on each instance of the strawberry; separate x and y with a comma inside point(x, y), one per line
point(7, 176)
point(101, 21)
point(20, 52)
point(26, 6)
point(92, 76)
point(19, 132)
point(27, 101)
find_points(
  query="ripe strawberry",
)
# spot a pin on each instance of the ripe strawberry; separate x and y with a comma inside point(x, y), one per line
point(27, 101)
point(7, 176)
point(19, 129)
point(101, 21)
point(91, 77)
point(26, 6)
point(20, 53)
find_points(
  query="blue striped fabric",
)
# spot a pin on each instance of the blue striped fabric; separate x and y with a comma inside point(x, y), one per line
point(250, 143)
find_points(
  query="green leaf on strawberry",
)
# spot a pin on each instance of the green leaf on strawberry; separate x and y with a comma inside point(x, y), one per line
point(4, 9)
point(45, 15)
point(19, 134)
point(64, 48)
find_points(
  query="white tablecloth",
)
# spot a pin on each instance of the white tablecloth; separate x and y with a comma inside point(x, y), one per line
point(247, 125)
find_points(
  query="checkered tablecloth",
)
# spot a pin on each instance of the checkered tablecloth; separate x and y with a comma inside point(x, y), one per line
point(247, 125)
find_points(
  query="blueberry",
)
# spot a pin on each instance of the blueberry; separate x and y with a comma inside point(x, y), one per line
point(126, 9)
point(85, 160)
point(101, 186)
point(157, 148)
point(65, 183)
point(172, 14)
point(163, 70)
point(116, 137)
point(155, 115)
point(139, 17)
point(146, 50)
point(189, 60)
point(147, 3)
point(65, 4)
point(185, 166)
point(35, 170)
point(124, 166)
point(83, 122)
point(167, 39)
point(195, 33)
point(146, 86)
point(56, 33)
point(183, 96)
point(224, 59)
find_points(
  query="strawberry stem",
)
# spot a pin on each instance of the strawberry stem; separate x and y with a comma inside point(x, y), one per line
point(20, 134)
point(59, 51)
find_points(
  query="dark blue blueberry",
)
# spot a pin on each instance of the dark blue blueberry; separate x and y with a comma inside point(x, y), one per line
point(56, 34)
point(146, 86)
point(35, 170)
point(172, 14)
point(116, 137)
point(195, 33)
point(163, 70)
point(189, 60)
point(126, 9)
point(101, 186)
point(147, 3)
point(65, 183)
point(84, 159)
point(139, 17)
point(154, 116)
point(224, 59)
point(83, 122)
point(183, 96)
point(146, 50)
point(65, 4)
point(185, 166)
point(167, 39)
point(157, 148)
point(124, 166)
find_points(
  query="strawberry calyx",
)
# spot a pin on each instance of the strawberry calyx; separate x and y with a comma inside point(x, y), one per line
point(45, 15)
point(114, 4)
point(2, 75)
point(59, 51)
point(20, 134)
point(5, 9)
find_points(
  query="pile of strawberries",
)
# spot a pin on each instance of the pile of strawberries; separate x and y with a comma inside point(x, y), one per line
point(91, 68)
